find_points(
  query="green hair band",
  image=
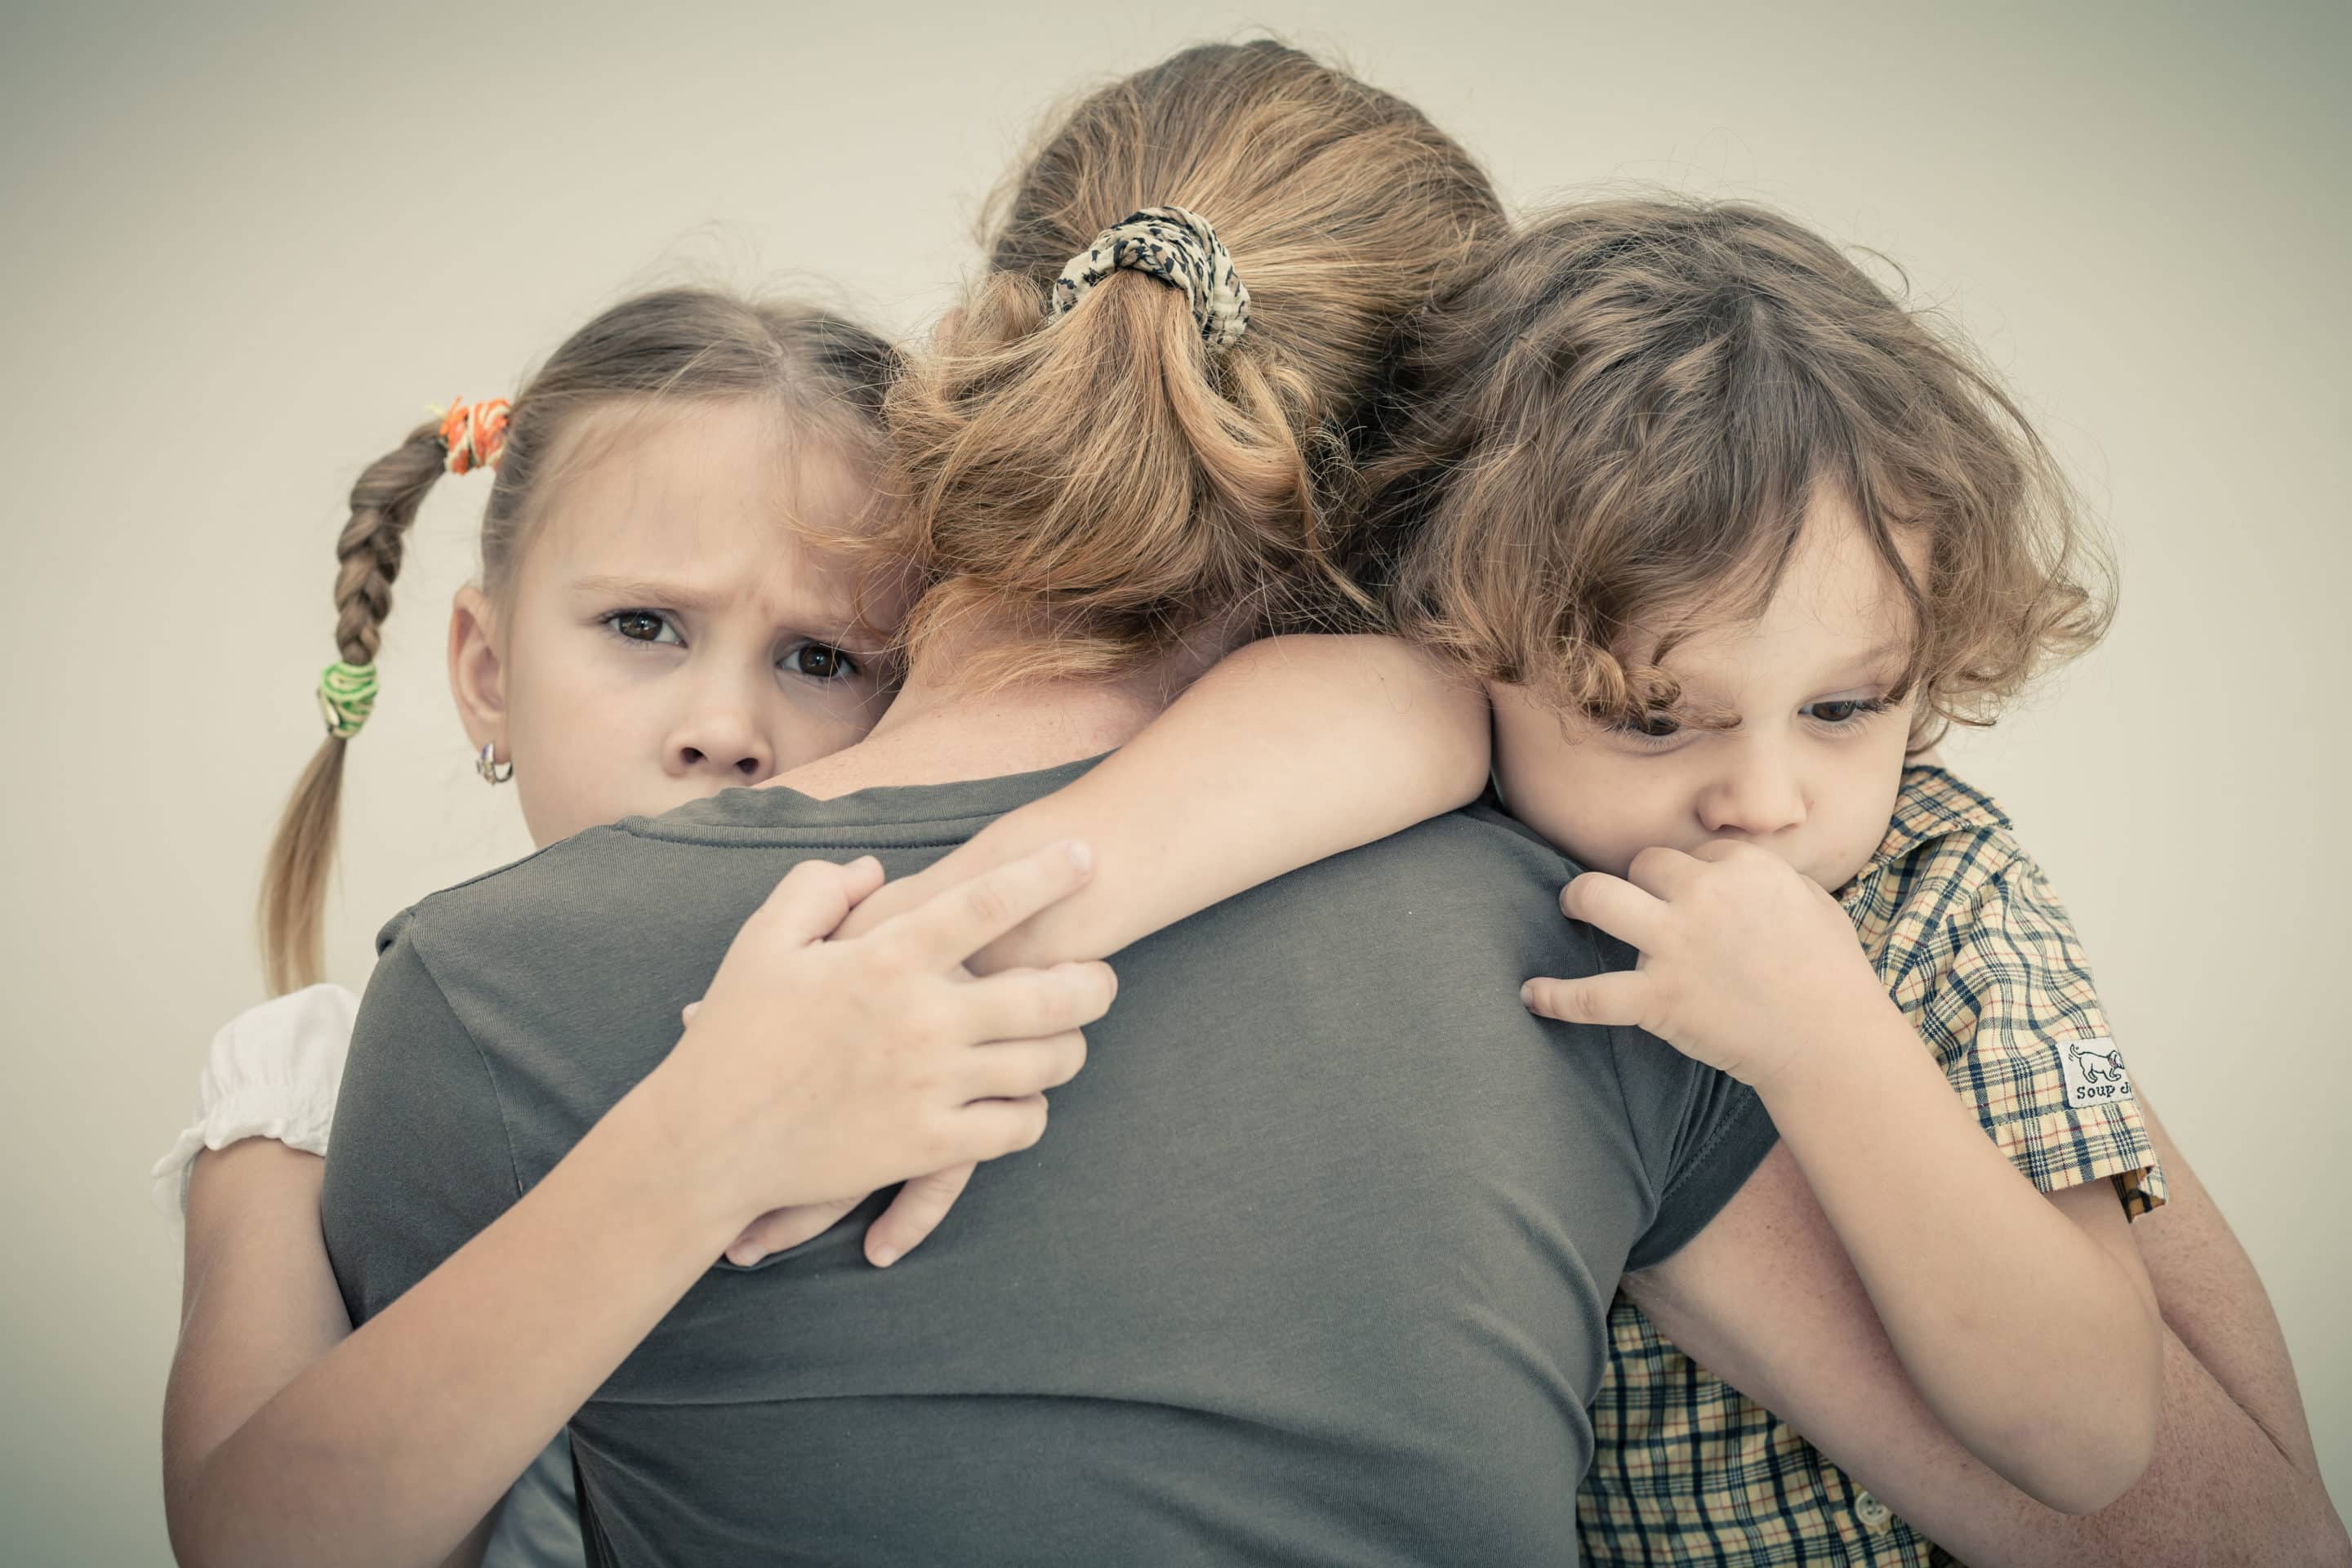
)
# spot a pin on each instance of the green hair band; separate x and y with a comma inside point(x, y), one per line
point(346, 697)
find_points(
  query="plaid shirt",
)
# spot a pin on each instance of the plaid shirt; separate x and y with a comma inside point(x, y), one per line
point(1975, 947)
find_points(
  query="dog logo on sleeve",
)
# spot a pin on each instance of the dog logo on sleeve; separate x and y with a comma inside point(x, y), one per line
point(2095, 1073)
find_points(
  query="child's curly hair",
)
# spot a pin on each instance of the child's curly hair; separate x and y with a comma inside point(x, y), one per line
point(1614, 424)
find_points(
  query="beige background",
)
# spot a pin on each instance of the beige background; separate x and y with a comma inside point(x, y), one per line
point(246, 246)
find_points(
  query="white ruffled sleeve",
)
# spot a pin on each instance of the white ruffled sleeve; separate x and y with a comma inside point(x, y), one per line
point(272, 1073)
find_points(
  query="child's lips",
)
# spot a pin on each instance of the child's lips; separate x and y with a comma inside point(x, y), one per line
point(1772, 844)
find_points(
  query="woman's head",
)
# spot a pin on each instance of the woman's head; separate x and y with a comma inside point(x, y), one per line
point(1099, 482)
point(653, 623)
point(1645, 440)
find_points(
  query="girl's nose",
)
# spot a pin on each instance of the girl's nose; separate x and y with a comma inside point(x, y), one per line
point(720, 743)
point(1761, 796)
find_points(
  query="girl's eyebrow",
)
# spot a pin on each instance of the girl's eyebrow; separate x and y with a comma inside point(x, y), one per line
point(652, 590)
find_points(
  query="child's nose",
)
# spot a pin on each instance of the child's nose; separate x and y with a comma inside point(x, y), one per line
point(1761, 796)
point(721, 743)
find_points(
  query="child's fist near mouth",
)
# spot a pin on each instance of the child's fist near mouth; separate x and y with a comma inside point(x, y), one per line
point(1746, 965)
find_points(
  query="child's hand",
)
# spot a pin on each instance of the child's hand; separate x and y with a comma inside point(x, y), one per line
point(912, 1215)
point(898, 1230)
point(1745, 962)
point(894, 1062)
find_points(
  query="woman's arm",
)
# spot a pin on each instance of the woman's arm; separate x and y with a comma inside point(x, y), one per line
point(2214, 1302)
point(1766, 1298)
point(1289, 750)
point(390, 1445)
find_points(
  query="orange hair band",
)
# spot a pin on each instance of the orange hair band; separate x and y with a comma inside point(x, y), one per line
point(474, 435)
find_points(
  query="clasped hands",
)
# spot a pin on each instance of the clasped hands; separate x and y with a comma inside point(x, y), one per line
point(820, 1064)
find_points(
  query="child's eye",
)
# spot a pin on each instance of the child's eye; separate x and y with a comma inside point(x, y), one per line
point(1840, 711)
point(644, 626)
point(1654, 728)
point(820, 661)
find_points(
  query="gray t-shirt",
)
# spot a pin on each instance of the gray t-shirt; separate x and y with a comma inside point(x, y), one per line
point(1312, 1264)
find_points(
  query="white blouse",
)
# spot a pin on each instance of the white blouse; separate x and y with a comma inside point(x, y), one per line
point(272, 1072)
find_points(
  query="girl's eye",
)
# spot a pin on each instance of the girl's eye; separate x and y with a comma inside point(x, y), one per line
point(1844, 710)
point(820, 661)
point(644, 626)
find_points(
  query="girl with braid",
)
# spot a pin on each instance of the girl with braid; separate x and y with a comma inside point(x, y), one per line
point(659, 618)
point(668, 431)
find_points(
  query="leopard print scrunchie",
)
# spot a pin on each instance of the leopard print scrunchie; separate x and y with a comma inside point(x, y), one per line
point(1178, 247)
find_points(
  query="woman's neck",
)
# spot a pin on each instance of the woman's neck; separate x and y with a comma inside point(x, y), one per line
point(943, 730)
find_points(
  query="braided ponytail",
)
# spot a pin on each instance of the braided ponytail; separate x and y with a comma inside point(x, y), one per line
point(294, 880)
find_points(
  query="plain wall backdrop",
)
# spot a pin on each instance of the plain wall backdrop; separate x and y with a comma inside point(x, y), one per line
point(246, 245)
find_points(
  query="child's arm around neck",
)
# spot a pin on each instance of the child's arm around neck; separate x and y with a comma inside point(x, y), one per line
point(1291, 750)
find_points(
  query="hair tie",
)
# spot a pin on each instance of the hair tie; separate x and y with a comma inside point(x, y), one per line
point(346, 697)
point(1178, 247)
point(474, 435)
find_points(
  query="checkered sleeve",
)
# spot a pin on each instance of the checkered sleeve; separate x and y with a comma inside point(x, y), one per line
point(2006, 1001)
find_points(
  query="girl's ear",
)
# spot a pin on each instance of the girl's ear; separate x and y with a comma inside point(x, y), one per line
point(477, 676)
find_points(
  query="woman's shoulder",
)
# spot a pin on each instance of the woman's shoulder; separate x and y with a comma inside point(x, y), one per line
point(495, 899)
point(1470, 882)
point(1479, 844)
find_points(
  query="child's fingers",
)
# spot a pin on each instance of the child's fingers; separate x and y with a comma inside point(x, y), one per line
point(1012, 1069)
point(1619, 997)
point(1026, 1004)
point(1615, 905)
point(958, 922)
point(990, 1129)
point(814, 897)
point(861, 878)
point(913, 1215)
point(781, 1228)
point(1662, 872)
point(685, 1014)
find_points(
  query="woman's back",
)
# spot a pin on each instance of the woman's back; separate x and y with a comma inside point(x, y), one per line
point(1311, 1266)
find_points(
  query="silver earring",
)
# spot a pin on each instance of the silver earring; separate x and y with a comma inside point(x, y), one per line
point(486, 764)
